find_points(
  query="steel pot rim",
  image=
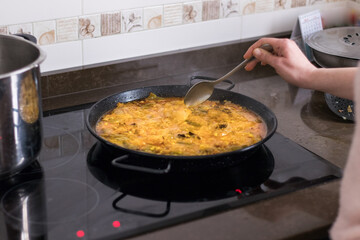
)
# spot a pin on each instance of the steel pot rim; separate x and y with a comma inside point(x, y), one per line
point(34, 64)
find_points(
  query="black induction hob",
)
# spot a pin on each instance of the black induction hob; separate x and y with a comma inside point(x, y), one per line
point(72, 192)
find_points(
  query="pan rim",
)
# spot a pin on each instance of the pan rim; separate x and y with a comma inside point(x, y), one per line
point(269, 134)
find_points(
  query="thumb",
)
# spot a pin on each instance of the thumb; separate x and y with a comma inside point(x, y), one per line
point(262, 55)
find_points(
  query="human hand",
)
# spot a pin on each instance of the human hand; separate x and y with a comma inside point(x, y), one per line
point(287, 60)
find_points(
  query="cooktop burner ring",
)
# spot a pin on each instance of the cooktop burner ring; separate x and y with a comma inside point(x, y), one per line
point(52, 145)
point(43, 197)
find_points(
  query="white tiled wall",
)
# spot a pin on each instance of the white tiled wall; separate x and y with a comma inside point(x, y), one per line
point(333, 14)
point(20, 11)
point(144, 43)
point(62, 56)
point(81, 33)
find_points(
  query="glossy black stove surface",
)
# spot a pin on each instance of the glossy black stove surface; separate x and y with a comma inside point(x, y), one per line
point(72, 191)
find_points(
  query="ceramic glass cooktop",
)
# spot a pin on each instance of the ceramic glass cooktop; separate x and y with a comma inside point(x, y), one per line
point(73, 192)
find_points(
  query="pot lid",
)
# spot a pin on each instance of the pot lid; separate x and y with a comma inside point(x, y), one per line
point(341, 41)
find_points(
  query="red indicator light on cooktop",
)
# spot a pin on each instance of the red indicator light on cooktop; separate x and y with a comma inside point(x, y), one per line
point(80, 233)
point(238, 191)
point(116, 224)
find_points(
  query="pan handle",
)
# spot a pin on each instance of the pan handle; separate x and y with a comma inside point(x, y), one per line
point(118, 162)
point(154, 215)
point(231, 83)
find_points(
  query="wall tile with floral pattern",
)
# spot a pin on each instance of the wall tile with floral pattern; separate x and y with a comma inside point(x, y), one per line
point(45, 32)
point(89, 26)
point(21, 28)
point(230, 8)
point(153, 17)
point(132, 20)
point(192, 12)
point(282, 4)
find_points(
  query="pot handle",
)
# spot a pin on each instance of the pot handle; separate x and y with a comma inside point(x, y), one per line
point(28, 37)
point(118, 162)
point(157, 215)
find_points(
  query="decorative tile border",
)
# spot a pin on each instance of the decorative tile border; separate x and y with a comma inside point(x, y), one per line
point(172, 14)
point(132, 20)
point(192, 12)
point(67, 29)
point(110, 23)
point(89, 26)
point(298, 3)
point(153, 17)
point(264, 6)
point(229, 8)
point(210, 10)
point(45, 32)
point(282, 4)
point(247, 7)
point(140, 19)
point(21, 28)
point(3, 30)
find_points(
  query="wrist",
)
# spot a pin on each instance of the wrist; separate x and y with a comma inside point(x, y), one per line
point(308, 78)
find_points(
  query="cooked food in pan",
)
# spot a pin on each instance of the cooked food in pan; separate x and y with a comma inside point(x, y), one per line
point(166, 126)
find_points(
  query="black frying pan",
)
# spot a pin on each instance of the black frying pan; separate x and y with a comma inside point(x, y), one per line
point(161, 164)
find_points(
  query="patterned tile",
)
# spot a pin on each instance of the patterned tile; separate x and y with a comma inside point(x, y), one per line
point(298, 3)
point(21, 28)
point(132, 20)
point(229, 8)
point(247, 7)
point(45, 32)
point(89, 26)
point(282, 4)
point(192, 12)
point(173, 14)
point(110, 23)
point(314, 2)
point(3, 30)
point(210, 10)
point(67, 29)
point(153, 17)
point(264, 6)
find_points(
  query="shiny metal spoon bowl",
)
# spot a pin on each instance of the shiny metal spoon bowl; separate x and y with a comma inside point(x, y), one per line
point(203, 90)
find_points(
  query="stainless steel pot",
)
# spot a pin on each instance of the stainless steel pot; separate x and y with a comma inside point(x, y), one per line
point(336, 47)
point(332, 48)
point(20, 103)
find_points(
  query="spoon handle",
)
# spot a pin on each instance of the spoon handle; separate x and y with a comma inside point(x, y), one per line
point(266, 46)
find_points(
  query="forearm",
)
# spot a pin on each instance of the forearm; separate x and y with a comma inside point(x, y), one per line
point(336, 81)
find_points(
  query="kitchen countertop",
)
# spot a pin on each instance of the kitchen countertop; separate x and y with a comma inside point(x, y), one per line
point(304, 117)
